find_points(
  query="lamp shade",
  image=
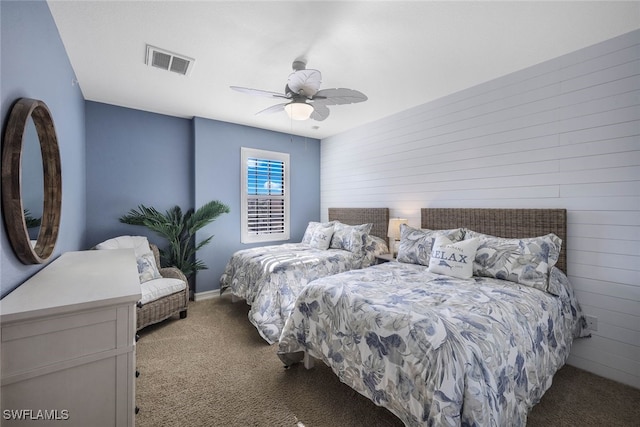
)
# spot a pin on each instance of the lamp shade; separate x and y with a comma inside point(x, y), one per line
point(394, 228)
point(298, 110)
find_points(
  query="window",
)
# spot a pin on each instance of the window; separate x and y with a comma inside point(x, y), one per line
point(265, 196)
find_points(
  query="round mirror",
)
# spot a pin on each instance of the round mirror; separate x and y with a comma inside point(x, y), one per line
point(31, 181)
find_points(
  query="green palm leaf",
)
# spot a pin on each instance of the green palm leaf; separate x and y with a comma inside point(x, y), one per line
point(179, 230)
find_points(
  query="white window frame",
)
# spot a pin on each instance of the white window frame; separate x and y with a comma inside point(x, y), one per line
point(248, 236)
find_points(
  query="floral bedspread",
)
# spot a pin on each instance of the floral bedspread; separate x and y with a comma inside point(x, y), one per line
point(270, 278)
point(437, 350)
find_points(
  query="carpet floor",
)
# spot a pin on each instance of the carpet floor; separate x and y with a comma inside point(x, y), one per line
point(214, 369)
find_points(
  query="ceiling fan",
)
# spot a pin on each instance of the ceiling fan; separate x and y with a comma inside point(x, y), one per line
point(304, 97)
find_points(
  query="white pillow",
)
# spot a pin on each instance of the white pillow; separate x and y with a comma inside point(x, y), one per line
point(139, 244)
point(147, 268)
point(453, 259)
point(311, 227)
point(321, 237)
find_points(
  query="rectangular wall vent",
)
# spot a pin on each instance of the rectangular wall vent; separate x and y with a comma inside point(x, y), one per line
point(169, 61)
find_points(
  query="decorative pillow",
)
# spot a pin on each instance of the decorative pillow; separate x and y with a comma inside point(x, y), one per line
point(351, 238)
point(321, 237)
point(416, 244)
point(147, 269)
point(311, 227)
point(526, 261)
point(374, 246)
point(453, 259)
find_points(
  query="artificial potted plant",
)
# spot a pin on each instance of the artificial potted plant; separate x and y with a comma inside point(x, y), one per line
point(179, 229)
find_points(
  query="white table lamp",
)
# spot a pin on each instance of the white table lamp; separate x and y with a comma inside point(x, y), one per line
point(393, 233)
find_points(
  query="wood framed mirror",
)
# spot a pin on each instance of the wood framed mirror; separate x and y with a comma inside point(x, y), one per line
point(30, 122)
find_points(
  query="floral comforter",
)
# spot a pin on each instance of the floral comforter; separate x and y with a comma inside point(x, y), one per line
point(270, 278)
point(437, 350)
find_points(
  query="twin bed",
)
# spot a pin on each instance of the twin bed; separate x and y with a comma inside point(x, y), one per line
point(441, 350)
point(270, 278)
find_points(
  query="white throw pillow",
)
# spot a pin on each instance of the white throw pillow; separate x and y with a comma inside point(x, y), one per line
point(139, 244)
point(147, 268)
point(311, 227)
point(321, 237)
point(453, 259)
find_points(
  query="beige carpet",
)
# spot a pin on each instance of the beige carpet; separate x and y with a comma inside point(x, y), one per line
point(213, 369)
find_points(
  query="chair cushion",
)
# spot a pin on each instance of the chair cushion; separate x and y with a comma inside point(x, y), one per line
point(158, 288)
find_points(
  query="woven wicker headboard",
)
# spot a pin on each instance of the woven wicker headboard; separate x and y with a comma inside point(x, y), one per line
point(509, 223)
point(379, 217)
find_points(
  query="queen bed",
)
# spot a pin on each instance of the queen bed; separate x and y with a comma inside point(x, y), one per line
point(270, 278)
point(436, 349)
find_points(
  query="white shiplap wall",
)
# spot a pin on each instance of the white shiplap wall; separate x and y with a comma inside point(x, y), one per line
point(561, 134)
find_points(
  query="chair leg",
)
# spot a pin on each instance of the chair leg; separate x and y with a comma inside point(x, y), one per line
point(183, 314)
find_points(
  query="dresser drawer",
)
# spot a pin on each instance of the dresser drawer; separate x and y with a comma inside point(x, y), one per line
point(42, 342)
point(68, 342)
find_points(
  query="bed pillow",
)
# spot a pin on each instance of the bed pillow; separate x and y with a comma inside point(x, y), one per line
point(311, 227)
point(376, 245)
point(526, 261)
point(373, 247)
point(321, 237)
point(351, 238)
point(416, 244)
point(453, 259)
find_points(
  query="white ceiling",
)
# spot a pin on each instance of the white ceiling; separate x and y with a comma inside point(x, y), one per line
point(400, 54)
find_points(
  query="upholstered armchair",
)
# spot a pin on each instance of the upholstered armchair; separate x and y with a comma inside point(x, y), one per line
point(166, 306)
point(165, 291)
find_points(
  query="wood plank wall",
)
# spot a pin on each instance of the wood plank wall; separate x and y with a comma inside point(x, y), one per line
point(561, 134)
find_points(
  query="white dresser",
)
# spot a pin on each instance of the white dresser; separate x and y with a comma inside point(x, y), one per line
point(68, 343)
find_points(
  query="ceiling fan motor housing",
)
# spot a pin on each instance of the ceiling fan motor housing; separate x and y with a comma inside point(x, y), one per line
point(299, 65)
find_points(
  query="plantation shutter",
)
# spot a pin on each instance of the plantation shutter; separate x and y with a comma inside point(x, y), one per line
point(266, 190)
point(265, 196)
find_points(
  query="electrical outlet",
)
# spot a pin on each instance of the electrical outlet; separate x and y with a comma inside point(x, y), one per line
point(592, 322)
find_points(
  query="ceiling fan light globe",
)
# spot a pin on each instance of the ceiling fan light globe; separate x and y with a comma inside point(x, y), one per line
point(298, 110)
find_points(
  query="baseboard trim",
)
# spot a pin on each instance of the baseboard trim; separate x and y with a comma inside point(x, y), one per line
point(200, 296)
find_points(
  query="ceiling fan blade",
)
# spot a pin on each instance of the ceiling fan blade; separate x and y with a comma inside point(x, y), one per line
point(339, 96)
point(258, 92)
point(320, 112)
point(273, 109)
point(305, 82)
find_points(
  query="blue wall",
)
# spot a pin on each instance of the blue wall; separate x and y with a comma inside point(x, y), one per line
point(115, 158)
point(34, 64)
point(133, 158)
point(217, 174)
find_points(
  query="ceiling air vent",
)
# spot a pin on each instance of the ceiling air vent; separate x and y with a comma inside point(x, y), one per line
point(169, 61)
